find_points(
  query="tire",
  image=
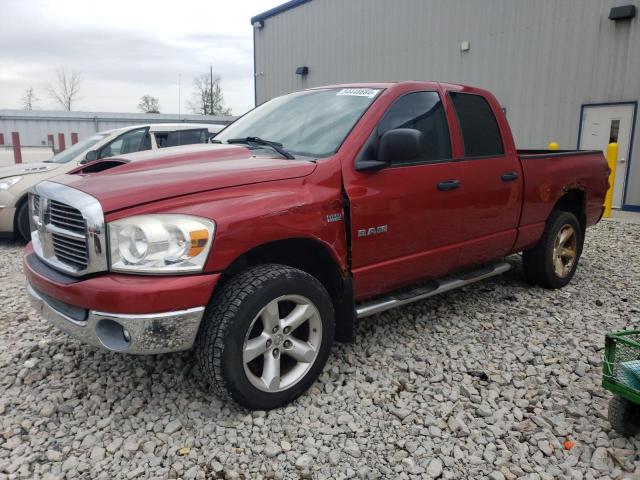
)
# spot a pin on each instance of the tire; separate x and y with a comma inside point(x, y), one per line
point(237, 347)
point(23, 229)
point(624, 416)
point(550, 264)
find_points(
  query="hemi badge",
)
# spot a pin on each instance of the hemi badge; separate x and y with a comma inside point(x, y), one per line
point(334, 217)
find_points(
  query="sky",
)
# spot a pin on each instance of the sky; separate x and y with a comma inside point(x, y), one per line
point(124, 49)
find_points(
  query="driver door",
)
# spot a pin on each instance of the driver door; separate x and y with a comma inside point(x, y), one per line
point(406, 219)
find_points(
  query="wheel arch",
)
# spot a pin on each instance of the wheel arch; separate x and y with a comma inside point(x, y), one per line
point(574, 200)
point(314, 258)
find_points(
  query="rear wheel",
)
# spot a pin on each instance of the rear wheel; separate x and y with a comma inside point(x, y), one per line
point(553, 261)
point(624, 416)
point(22, 222)
point(266, 336)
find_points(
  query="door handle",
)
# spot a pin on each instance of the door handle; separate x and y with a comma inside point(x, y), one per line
point(448, 185)
point(509, 176)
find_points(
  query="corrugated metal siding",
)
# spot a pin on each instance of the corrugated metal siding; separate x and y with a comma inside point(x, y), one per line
point(542, 58)
point(35, 125)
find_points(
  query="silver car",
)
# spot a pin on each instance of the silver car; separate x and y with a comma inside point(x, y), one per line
point(16, 180)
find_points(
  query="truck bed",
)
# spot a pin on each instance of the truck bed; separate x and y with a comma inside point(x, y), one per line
point(551, 174)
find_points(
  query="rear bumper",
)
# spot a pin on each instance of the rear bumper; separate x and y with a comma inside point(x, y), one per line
point(123, 313)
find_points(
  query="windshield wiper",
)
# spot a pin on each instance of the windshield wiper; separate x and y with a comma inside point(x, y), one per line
point(259, 141)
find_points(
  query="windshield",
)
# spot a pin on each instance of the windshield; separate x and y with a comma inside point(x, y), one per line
point(75, 150)
point(312, 123)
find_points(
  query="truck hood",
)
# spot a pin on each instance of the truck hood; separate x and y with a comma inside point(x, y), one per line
point(146, 177)
point(27, 168)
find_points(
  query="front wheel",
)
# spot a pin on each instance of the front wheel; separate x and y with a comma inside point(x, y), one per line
point(266, 336)
point(553, 261)
point(22, 222)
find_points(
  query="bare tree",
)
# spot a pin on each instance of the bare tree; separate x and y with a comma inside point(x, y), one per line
point(207, 98)
point(65, 89)
point(29, 99)
point(149, 104)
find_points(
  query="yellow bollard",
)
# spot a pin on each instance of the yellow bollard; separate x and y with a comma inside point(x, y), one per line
point(553, 146)
point(612, 160)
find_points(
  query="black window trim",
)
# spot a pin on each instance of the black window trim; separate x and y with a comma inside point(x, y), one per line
point(476, 157)
point(420, 162)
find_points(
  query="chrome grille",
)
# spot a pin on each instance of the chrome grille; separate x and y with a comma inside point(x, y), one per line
point(66, 217)
point(70, 250)
point(36, 205)
point(67, 229)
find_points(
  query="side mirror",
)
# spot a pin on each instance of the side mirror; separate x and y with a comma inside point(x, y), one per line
point(400, 145)
point(90, 157)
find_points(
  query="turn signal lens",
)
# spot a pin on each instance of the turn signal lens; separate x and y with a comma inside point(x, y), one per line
point(199, 240)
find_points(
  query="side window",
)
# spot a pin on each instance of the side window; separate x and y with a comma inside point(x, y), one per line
point(480, 131)
point(187, 137)
point(161, 139)
point(181, 137)
point(421, 111)
point(133, 141)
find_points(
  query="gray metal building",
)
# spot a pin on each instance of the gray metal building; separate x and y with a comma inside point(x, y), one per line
point(563, 70)
point(35, 126)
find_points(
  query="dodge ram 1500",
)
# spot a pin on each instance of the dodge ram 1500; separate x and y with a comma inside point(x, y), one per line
point(315, 209)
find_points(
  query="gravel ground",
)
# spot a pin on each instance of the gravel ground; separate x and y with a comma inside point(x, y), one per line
point(489, 381)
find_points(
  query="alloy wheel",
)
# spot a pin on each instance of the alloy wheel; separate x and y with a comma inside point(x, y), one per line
point(282, 343)
point(565, 251)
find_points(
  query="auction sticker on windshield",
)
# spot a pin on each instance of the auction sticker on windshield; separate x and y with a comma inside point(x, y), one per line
point(359, 92)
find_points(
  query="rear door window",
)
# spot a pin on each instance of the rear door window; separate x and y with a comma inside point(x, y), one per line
point(181, 137)
point(421, 111)
point(480, 131)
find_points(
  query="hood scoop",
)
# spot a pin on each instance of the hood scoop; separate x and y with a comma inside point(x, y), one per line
point(99, 166)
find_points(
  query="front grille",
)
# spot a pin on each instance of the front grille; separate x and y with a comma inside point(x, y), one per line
point(66, 217)
point(68, 230)
point(72, 251)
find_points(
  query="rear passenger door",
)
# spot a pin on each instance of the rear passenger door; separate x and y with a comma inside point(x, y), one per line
point(491, 182)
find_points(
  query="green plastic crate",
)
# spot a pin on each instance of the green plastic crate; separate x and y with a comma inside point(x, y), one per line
point(621, 367)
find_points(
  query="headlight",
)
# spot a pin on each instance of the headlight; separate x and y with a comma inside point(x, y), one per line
point(8, 182)
point(160, 243)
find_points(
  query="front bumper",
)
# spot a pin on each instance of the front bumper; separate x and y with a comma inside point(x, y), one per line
point(7, 211)
point(124, 313)
point(136, 334)
point(7, 216)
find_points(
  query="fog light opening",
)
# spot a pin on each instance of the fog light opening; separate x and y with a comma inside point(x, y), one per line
point(113, 336)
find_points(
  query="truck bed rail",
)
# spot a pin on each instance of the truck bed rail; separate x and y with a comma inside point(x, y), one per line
point(534, 153)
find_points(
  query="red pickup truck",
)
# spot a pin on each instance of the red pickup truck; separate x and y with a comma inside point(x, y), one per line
point(314, 209)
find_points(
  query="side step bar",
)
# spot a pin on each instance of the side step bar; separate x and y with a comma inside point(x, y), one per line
point(431, 289)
